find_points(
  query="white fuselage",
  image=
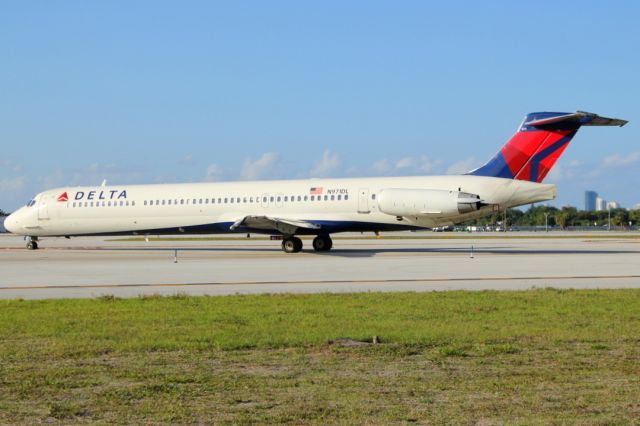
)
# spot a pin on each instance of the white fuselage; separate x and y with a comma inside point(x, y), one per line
point(333, 205)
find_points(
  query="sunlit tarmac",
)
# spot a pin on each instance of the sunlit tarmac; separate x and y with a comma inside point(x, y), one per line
point(92, 267)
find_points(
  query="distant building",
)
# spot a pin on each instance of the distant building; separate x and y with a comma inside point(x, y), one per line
point(613, 205)
point(590, 200)
point(601, 204)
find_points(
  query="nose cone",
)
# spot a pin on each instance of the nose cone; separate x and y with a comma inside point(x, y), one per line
point(10, 223)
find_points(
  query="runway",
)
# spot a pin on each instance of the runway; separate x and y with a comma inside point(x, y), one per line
point(93, 267)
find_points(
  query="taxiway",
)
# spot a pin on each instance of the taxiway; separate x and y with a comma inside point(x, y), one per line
point(92, 267)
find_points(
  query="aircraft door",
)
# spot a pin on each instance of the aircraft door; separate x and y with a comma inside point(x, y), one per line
point(363, 200)
point(43, 208)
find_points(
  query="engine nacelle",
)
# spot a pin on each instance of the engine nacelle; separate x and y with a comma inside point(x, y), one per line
point(427, 202)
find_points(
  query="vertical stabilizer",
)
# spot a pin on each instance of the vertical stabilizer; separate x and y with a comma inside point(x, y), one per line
point(536, 146)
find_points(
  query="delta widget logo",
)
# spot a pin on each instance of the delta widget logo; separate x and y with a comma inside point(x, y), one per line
point(63, 197)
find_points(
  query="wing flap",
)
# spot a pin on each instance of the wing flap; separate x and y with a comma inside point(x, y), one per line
point(283, 225)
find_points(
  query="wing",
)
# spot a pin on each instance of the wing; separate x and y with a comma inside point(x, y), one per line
point(285, 226)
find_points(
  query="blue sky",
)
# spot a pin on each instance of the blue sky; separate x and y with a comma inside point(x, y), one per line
point(151, 91)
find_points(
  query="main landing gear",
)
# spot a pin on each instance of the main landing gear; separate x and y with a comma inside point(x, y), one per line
point(293, 244)
point(32, 243)
point(322, 243)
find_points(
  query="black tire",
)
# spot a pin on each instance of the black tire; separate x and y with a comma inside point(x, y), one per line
point(298, 244)
point(32, 245)
point(322, 243)
point(292, 245)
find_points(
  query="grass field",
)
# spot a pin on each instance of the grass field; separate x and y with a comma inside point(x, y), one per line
point(541, 356)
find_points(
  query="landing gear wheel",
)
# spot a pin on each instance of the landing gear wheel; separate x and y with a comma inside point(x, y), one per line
point(322, 243)
point(292, 245)
point(32, 245)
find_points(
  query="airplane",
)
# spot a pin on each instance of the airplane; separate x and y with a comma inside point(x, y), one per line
point(287, 209)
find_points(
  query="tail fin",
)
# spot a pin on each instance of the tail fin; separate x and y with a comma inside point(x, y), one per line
point(538, 143)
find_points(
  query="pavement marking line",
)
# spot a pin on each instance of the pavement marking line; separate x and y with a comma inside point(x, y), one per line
point(389, 281)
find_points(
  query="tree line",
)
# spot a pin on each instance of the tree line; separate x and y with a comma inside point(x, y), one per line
point(563, 218)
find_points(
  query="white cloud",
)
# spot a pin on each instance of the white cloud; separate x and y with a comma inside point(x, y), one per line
point(556, 173)
point(12, 184)
point(425, 165)
point(326, 165)
point(617, 160)
point(92, 174)
point(405, 163)
point(463, 166)
point(214, 172)
point(265, 166)
point(381, 166)
point(8, 164)
point(565, 171)
point(187, 160)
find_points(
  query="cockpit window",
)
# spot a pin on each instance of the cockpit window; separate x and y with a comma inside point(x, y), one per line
point(30, 203)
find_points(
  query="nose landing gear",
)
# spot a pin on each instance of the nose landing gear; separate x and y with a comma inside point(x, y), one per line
point(32, 243)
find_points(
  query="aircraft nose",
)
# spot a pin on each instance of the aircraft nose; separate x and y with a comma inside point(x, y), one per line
point(11, 224)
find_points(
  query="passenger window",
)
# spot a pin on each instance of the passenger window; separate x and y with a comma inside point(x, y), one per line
point(326, 197)
point(206, 201)
point(305, 198)
point(286, 198)
point(313, 198)
point(339, 197)
point(373, 196)
point(333, 197)
point(278, 199)
point(299, 198)
point(271, 199)
point(346, 197)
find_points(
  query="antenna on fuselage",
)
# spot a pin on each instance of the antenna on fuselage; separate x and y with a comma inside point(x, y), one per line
point(104, 182)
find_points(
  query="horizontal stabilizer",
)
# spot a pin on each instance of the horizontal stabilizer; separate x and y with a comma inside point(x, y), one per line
point(576, 119)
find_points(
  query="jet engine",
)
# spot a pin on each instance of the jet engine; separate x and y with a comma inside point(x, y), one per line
point(427, 202)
